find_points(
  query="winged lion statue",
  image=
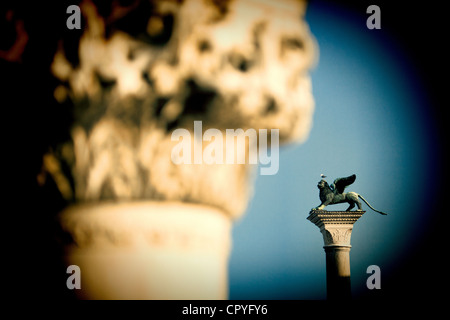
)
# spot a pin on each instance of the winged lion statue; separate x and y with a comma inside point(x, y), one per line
point(334, 194)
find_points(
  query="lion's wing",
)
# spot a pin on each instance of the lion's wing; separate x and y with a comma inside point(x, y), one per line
point(341, 183)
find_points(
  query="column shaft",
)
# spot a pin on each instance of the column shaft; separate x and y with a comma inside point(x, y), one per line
point(338, 272)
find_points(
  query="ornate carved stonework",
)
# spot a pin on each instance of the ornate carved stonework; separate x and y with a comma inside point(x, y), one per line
point(336, 226)
point(143, 69)
point(337, 236)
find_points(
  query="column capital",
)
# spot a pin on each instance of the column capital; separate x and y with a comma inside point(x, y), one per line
point(336, 226)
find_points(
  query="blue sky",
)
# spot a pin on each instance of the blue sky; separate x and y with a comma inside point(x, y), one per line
point(370, 119)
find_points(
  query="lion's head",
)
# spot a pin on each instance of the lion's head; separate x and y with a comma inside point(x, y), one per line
point(322, 184)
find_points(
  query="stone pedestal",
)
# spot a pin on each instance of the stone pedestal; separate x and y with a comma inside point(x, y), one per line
point(148, 250)
point(336, 228)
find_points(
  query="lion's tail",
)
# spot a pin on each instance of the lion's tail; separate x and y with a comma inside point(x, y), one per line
point(370, 205)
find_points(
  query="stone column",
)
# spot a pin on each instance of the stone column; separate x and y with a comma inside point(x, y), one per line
point(148, 250)
point(146, 220)
point(336, 228)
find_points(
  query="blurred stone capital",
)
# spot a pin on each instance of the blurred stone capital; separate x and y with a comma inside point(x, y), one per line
point(138, 72)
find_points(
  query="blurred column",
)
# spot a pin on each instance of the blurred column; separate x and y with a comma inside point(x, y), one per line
point(336, 228)
point(148, 250)
point(142, 225)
